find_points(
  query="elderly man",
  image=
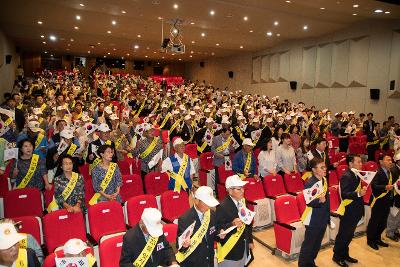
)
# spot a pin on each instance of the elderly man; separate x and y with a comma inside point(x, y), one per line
point(104, 138)
point(198, 250)
point(11, 252)
point(241, 238)
point(244, 162)
point(145, 244)
point(179, 167)
point(393, 222)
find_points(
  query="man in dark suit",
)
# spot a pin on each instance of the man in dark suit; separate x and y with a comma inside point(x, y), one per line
point(227, 216)
point(318, 218)
point(350, 190)
point(393, 223)
point(198, 252)
point(104, 138)
point(320, 152)
point(369, 125)
point(380, 202)
point(187, 133)
point(149, 229)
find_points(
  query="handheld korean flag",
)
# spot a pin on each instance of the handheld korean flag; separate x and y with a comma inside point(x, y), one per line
point(11, 153)
point(310, 156)
point(228, 163)
point(186, 234)
point(61, 147)
point(246, 215)
point(234, 143)
point(313, 192)
point(366, 176)
point(90, 128)
point(72, 262)
point(397, 187)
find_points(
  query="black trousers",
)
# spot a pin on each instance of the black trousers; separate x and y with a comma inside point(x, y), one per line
point(378, 221)
point(311, 246)
point(348, 224)
point(216, 178)
point(371, 152)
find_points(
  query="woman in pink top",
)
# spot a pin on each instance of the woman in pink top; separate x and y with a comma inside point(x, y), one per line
point(294, 136)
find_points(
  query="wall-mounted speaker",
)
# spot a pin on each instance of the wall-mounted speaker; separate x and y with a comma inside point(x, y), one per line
point(293, 85)
point(202, 64)
point(374, 94)
point(8, 59)
point(392, 84)
point(230, 74)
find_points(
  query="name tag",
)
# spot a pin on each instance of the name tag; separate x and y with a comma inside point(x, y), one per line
point(160, 246)
point(212, 230)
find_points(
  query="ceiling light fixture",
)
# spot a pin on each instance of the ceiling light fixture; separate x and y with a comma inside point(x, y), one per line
point(43, 42)
point(40, 22)
point(193, 42)
point(78, 17)
point(123, 11)
point(217, 44)
point(287, 1)
point(176, 6)
point(212, 53)
point(108, 53)
point(52, 55)
point(278, 34)
point(190, 56)
point(305, 27)
point(76, 28)
point(71, 40)
point(191, 52)
point(245, 18)
point(139, 36)
point(180, 59)
point(355, 6)
point(113, 22)
point(88, 52)
point(41, 36)
point(53, 38)
point(146, 56)
point(241, 47)
point(322, 8)
point(45, 52)
point(269, 33)
point(387, 12)
point(251, 31)
point(160, 18)
point(192, 23)
point(212, 12)
point(109, 32)
point(136, 46)
point(81, 4)
point(203, 34)
point(378, 11)
point(276, 23)
point(128, 54)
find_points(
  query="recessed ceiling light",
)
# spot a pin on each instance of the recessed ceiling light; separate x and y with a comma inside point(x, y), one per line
point(217, 44)
point(387, 12)
point(114, 49)
point(41, 36)
point(81, 4)
point(241, 47)
point(71, 40)
point(113, 22)
point(245, 18)
point(276, 23)
point(305, 27)
point(354, 14)
point(378, 10)
point(88, 52)
point(52, 38)
point(278, 34)
point(43, 42)
point(52, 55)
point(203, 34)
point(78, 17)
point(212, 53)
point(108, 32)
point(136, 46)
point(287, 1)
point(160, 18)
point(212, 12)
point(139, 36)
point(123, 11)
point(355, 6)
point(173, 54)
point(45, 52)
point(180, 59)
point(146, 56)
point(127, 54)
point(190, 56)
point(163, 57)
point(176, 6)
point(108, 53)
point(269, 33)
point(76, 28)
point(191, 52)
point(40, 22)
point(68, 44)
point(193, 42)
point(192, 23)
point(251, 31)
point(148, 48)
point(99, 43)
point(104, 56)
point(322, 8)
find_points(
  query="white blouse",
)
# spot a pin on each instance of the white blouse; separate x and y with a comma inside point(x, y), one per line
point(266, 163)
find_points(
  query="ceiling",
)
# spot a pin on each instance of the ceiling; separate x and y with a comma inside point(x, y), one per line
point(138, 22)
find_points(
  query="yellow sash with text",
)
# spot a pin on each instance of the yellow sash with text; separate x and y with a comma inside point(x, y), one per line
point(165, 120)
point(246, 166)
point(22, 260)
point(38, 140)
point(104, 184)
point(72, 149)
point(140, 109)
point(178, 177)
point(224, 146)
point(150, 148)
point(66, 192)
point(144, 256)
point(174, 125)
point(223, 251)
point(28, 176)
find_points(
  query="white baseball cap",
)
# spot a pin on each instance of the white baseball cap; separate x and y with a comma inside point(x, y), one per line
point(208, 120)
point(234, 181)
point(74, 246)
point(269, 120)
point(114, 117)
point(248, 142)
point(205, 194)
point(108, 110)
point(67, 133)
point(151, 218)
point(34, 126)
point(104, 128)
point(9, 236)
point(146, 126)
point(178, 141)
point(187, 117)
point(255, 120)
point(37, 111)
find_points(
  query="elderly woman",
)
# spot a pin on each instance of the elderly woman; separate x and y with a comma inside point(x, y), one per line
point(106, 177)
point(69, 191)
point(29, 170)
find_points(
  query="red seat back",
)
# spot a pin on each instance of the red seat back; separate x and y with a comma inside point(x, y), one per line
point(301, 202)
point(30, 225)
point(110, 251)
point(354, 148)
point(191, 151)
point(340, 169)
point(293, 182)
point(334, 198)
point(253, 190)
point(174, 204)
point(84, 170)
point(60, 226)
point(106, 218)
point(23, 202)
point(333, 179)
point(370, 166)
point(224, 174)
point(170, 232)
point(136, 205)
point(156, 183)
point(165, 136)
point(341, 158)
point(286, 209)
point(89, 191)
point(124, 167)
point(206, 161)
point(332, 155)
point(132, 185)
point(273, 186)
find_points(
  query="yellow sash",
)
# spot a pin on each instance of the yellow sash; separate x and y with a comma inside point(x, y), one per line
point(306, 175)
point(24, 242)
point(345, 202)
point(72, 149)
point(20, 106)
point(202, 147)
point(38, 140)
point(384, 142)
point(91, 259)
point(373, 143)
point(144, 256)
point(308, 208)
point(8, 121)
point(223, 251)
point(108, 142)
point(43, 107)
point(150, 148)
point(94, 164)
point(246, 166)
point(241, 104)
point(28, 176)
point(174, 125)
point(22, 260)
point(239, 131)
point(119, 141)
point(155, 108)
point(140, 109)
point(165, 120)
point(178, 177)
point(104, 184)
point(66, 192)
point(196, 239)
point(224, 146)
point(374, 199)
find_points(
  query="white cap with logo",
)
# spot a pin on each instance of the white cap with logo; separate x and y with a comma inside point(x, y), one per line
point(234, 181)
point(205, 194)
point(247, 142)
point(9, 236)
point(74, 246)
point(151, 218)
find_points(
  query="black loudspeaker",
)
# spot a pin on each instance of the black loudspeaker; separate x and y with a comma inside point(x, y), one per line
point(230, 74)
point(8, 59)
point(374, 94)
point(202, 64)
point(392, 84)
point(293, 85)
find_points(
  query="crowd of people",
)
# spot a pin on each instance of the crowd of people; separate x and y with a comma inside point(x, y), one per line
point(59, 121)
